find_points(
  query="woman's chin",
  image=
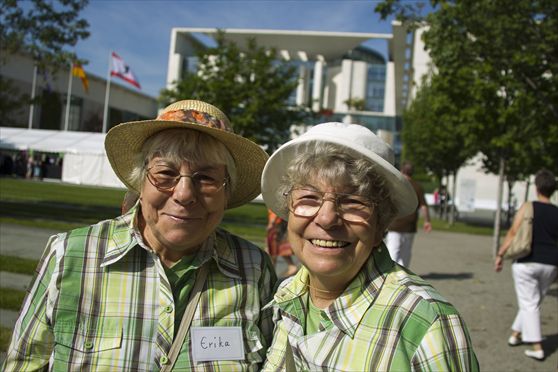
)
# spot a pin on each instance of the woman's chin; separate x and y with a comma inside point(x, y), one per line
point(327, 268)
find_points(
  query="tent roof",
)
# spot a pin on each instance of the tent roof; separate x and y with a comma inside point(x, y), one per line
point(52, 140)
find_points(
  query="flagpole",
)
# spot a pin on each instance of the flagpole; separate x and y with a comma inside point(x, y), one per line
point(33, 88)
point(107, 93)
point(68, 99)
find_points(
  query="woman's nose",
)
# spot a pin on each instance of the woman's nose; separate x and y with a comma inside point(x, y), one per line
point(327, 215)
point(185, 192)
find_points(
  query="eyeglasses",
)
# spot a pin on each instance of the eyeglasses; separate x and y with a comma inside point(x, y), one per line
point(307, 202)
point(166, 178)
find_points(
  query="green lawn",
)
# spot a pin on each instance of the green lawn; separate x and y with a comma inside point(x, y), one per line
point(18, 265)
point(5, 336)
point(63, 207)
point(11, 299)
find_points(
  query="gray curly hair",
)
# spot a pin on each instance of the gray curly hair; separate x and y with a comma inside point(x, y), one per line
point(332, 163)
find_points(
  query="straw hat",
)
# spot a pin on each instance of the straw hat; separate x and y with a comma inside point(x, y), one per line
point(124, 142)
point(358, 141)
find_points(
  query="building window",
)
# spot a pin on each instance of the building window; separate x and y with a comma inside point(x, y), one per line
point(51, 110)
point(76, 104)
point(375, 87)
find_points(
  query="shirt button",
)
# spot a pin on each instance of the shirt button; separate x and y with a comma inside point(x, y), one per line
point(88, 344)
point(168, 309)
point(164, 360)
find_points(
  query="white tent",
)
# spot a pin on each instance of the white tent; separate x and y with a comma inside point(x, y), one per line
point(85, 161)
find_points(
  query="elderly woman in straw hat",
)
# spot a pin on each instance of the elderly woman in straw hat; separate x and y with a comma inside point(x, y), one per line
point(161, 285)
point(350, 307)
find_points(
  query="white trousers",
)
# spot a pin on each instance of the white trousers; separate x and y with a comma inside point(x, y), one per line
point(531, 280)
point(399, 245)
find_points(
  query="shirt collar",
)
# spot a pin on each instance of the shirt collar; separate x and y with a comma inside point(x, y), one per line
point(126, 235)
point(122, 238)
point(347, 311)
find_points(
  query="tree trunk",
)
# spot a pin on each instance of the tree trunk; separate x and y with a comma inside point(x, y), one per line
point(497, 217)
point(453, 192)
point(527, 185)
point(509, 215)
point(446, 200)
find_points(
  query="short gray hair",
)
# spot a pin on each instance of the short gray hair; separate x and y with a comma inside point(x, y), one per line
point(178, 145)
point(333, 164)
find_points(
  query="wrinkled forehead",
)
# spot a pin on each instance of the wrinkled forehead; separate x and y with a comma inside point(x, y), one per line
point(180, 163)
point(320, 180)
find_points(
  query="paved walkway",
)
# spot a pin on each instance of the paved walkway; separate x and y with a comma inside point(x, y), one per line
point(458, 265)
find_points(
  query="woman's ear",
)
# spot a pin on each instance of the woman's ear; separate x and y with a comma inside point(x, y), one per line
point(130, 199)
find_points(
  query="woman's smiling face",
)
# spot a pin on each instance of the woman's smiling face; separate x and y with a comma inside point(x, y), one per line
point(182, 218)
point(328, 246)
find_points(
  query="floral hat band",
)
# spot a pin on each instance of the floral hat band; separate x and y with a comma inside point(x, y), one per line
point(124, 143)
point(193, 116)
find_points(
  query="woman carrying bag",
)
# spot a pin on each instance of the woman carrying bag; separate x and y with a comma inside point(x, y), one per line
point(533, 273)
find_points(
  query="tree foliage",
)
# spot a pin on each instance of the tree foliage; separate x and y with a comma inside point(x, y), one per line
point(251, 86)
point(43, 29)
point(433, 131)
point(510, 48)
point(499, 61)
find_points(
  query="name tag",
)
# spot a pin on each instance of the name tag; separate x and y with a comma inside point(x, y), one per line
point(217, 343)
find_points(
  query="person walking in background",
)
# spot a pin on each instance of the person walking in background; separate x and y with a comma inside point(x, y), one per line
point(401, 232)
point(534, 273)
point(145, 289)
point(350, 307)
point(278, 244)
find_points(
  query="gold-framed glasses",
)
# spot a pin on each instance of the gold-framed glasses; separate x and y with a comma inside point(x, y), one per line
point(305, 202)
point(164, 177)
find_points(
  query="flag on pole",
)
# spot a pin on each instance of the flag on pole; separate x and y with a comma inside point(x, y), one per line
point(78, 71)
point(123, 71)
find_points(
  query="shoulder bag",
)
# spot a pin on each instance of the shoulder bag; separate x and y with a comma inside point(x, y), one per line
point(521, 244)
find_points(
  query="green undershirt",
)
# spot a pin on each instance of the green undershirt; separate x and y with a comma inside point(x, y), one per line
point(315, 317)
point(181, 277)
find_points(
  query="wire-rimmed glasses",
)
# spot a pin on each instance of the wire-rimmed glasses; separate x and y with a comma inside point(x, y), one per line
point(306, 202)
point(164, 177)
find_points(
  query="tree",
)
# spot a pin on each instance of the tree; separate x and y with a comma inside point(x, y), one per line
point(509, 48)
point(43, 30)
point(252, 87)
point(433, 133)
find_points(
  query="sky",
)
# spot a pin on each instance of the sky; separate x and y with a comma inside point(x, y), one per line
point(139, 31)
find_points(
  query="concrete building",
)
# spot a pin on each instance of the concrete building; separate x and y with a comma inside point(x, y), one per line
point(339, 78)
point(343, 80)
point(86, 108)
point(37, 141)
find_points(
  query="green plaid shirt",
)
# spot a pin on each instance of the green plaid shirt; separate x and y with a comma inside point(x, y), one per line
point(388, 319)
point(100, 300)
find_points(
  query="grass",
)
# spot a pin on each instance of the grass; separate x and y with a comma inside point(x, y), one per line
point(18, 265)
point(11, 299)
point(63, 207)
point(30, 191)
point(458, 227)
point(5, 336)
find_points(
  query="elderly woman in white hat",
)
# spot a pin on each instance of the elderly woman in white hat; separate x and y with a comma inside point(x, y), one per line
point(350, 307)
point(161, 285)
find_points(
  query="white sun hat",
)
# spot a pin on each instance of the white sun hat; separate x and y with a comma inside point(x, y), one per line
point(359, 142)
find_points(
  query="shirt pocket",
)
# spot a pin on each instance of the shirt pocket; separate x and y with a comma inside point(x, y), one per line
point(106, 335)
